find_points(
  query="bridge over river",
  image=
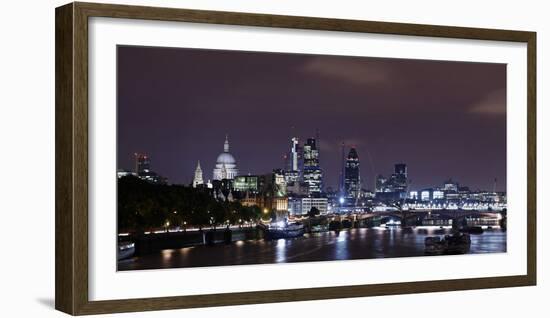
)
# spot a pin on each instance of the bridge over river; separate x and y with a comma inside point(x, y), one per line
point(360, 238)
point(410, 217)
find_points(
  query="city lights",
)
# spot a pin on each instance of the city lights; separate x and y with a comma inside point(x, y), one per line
point(245, 166)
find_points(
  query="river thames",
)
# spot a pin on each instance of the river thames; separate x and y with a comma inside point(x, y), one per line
point(362, 243)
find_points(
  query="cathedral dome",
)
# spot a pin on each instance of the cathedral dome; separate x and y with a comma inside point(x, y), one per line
point(225, 158)
point(226, 165)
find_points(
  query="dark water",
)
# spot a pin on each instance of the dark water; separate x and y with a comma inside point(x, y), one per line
point(327, 246)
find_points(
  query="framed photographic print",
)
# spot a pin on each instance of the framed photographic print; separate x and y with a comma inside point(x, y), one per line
point(218, 158)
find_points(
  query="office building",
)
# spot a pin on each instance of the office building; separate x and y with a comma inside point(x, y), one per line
point(312, 174)
point(352, 179)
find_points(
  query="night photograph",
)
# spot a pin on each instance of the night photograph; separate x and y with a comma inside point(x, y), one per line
point(241, 158)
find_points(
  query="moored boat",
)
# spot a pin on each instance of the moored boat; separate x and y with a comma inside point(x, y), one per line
point(458, 243)
point(282, 229)
point(125, 250)
point(472, 229)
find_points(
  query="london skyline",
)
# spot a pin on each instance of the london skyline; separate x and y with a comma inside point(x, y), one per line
point(444, 119)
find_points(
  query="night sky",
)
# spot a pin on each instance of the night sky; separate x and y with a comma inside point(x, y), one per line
point(444, 119)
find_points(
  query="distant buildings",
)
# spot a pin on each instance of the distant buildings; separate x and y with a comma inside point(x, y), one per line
point(298, 188)
point(312, 174)
point(246, 184)
point(303, 175)
point(222, 189)
point(352, 178)
point(125, 173)
point(299, 206)
point(142, 163)
point(399, 179)
point(266, 191)
point(341, 185)
point(395, 187)
point(142, 170)
point(450, 186)
point(294, 189)
point(452, 196)
point(294, 162)
point(280, 183)
point(382, 184)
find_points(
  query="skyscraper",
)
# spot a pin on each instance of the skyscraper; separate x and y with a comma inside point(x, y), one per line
point(401, 169)
point(295, 155)
point(400, 178)
point(352, 179)
point(143, 169)
point(341, 185)
point(294, 158)
point(381, 184)
point(198, 176)
point(313, 175)
point(143, 163)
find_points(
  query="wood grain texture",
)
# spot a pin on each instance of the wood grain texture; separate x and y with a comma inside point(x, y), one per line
point(72, 157)
point(164, 303)
point(80, 146)
point(64, 235)
point(532, 158)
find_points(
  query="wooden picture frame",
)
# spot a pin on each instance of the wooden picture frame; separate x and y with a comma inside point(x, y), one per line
point(71, 269)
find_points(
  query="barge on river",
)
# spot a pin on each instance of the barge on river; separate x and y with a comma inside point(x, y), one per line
point(282, 229)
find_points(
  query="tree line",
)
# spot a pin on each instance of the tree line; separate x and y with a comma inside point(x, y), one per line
point(143, 206)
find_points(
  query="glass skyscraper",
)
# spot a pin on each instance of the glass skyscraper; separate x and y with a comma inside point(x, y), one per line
point(313, 175)
point(352, 178)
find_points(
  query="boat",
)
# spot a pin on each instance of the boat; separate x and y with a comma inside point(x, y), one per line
point(440, 230)
point(319, 228)
point(457, 243)
point(282, 229)
point(125, 250)
point(392, 223)
point(472, 230)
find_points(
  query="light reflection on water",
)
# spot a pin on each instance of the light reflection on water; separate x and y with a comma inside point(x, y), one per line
point(341, 249)
point(362, 243)
point(281, 251)
point(167, 255)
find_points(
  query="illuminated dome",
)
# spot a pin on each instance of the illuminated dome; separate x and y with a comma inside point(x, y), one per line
point(225, 158)
point(226, 165)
